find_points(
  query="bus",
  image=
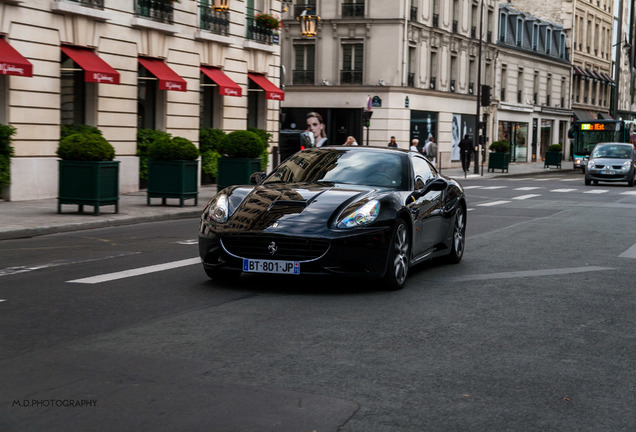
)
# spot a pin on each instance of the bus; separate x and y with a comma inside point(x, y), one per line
point(586, 134)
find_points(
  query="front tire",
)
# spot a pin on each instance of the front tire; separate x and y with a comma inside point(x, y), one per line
point(458, 241)
point(399, 258)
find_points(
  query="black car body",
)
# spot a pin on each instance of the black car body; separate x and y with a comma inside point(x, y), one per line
point(355, 211)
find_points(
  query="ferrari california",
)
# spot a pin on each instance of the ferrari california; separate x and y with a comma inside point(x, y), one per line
point(349, 211)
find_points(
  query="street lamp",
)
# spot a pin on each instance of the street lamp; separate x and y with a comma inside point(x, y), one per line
point(308, 23)
point(220, 5)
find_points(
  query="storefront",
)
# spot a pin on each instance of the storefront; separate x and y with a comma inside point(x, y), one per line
point(515, 134)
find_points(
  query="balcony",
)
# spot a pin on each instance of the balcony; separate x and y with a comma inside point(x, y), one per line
point(155, 10)
point(214, 21)
point(303, 76)
point(353, 10)
point(261, 34)
point(97, 4)
point(350, 77)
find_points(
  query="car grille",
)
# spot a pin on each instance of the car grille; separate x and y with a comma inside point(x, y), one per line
point(287, 248)
point(614, 167)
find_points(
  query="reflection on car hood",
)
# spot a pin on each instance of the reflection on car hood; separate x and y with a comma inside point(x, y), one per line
point(282, 206)
point(609, 161)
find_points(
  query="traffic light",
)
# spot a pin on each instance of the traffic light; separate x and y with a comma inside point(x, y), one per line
point(366, 117)
point(485, 95)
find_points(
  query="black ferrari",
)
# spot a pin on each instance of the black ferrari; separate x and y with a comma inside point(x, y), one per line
point(354, 211)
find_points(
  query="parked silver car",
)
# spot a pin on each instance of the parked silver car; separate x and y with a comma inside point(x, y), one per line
point(611, 162)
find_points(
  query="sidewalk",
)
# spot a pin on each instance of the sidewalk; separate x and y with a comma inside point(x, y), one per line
point(19, 219)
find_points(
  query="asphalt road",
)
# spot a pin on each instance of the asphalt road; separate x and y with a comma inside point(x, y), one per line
point(119, 329)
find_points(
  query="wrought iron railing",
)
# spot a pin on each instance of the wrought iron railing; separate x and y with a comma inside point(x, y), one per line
point(215, 21)
point(96, 4)
point(350, 77)
point(303, 76)
point(158, 10)
point(261, 34)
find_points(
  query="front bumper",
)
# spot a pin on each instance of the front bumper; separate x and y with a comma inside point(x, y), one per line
point(618, 176)
point(362, 254)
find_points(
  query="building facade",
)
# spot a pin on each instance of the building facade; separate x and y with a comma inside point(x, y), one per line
point(121, 65)
point(415, 64)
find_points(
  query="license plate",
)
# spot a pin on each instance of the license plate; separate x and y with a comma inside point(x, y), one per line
point(608, 172)
point(271, 266)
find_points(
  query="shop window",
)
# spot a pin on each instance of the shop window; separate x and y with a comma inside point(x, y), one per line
point(150, 101)
point(78, 98)
point(210, 103)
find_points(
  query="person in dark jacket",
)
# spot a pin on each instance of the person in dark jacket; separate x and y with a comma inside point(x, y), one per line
point(465, 149)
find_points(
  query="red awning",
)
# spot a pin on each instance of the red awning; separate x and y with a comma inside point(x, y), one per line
point(271, 91)
point(168, 79)
point(227, 87)
point(95, 69)
point(12, 62)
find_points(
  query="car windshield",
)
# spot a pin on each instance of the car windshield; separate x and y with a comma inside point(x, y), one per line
point(612, 151)
point(357, 167)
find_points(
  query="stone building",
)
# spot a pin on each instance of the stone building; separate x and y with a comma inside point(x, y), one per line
point(124, 64)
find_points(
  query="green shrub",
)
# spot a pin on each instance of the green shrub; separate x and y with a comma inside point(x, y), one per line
point(209, 161)
point(6, 134)
point(5, 171)
point(499, 146)
point(242, 144)
point(177, 148)
point(555, 147)
point(85, 147)
point(209, 139)
point(67, 130)
point(144, 138)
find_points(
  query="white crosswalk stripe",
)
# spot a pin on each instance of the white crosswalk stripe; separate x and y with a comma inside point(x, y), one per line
point(563, 190)
point(596, 191)
point(492, 203)
point(528, 188)
point(525, 197)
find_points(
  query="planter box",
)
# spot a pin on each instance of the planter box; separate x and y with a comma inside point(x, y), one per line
point(552, 158)
point(236, 171)
point(173, 179)
point(88, 183)
point(498, 161)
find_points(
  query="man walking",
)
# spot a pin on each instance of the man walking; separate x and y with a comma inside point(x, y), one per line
point(466, 149)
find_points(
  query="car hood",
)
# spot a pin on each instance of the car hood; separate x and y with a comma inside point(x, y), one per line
point(609, 161)
point(286, 207)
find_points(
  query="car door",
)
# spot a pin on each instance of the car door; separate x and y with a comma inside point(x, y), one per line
point(425, 207)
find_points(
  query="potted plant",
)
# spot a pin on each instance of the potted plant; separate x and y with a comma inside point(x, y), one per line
point(6, 151)
point(87, 175)
point(145, 137)
point(499, 156)
point(241, 156)
point(553, 156)
point(209, 139)
point(267, 21)
point(172, 169)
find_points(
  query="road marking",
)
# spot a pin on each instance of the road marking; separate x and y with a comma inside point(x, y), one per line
point(137, 272)
point(628, 193)
point(24, 269)
point(570, 180)
point(529, 273)
point(472, 187)
point(596, 191)
point(2, 300)
point(563, 190)
point(188, 242)
point(492, 203)
point(524, 197)
point(528, 188)
point(494, 187)
point(629, 253)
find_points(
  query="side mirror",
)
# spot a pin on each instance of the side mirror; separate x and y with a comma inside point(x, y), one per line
point(257, 178)
point(439, 184)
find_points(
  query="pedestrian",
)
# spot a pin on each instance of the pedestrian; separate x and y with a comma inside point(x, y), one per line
point(414, 144)
point(351, 141)
point(393, 143)
point(465, 151)
point(316, 125)
point(430, 149)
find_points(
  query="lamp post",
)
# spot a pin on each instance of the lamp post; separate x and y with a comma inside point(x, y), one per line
point(617, 65)
point(308, 23)
point(476, 142)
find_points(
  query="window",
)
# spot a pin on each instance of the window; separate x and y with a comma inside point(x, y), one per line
point(210, 103)
point(150, 101)
point(562, 46)
point(423, 172)
point(548, 88)
point(520, 85)
point(502, 27)
point(535, 87)
point(351, 72)
point(304, 64)
point(548, 41)
point(433, 71)
point(78, 98)
point(504, 79)
point(353, 8)
point(519, 32)
point(535, 36)
point(212, 20)
point(453, 73)
point(256, 106)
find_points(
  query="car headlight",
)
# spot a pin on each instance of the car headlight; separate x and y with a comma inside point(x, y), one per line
point(590, 164)
point(218, 210)
point(627, 165)
point(363, 215)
